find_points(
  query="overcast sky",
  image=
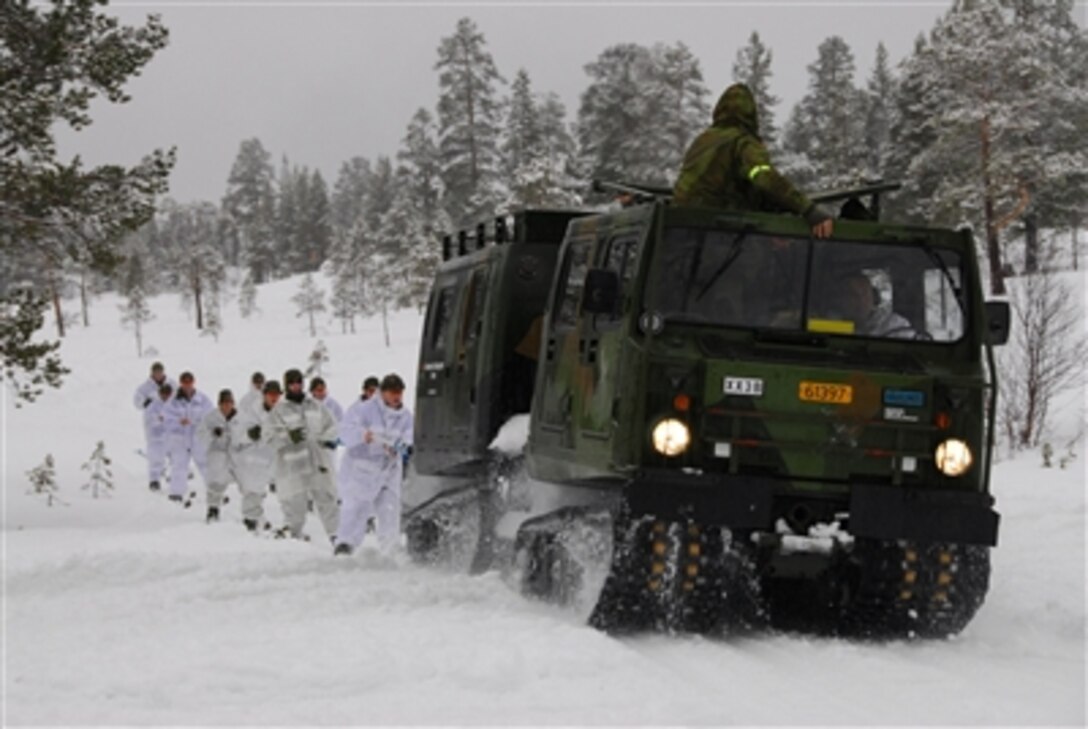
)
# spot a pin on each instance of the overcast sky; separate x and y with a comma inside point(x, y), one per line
point(324, 81)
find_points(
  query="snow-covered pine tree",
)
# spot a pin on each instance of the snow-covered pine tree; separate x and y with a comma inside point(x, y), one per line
point(349, 194)
point(997, 83)
point(250, 206)
point(345, 267)
point(57, 58)
point(408, 256)
point(317, 359)
point(213, 321)
point(43, 481)
point(828, 124)
point(192, 234)
point(468, 125)
point(286, 224)
point(418, 163)
point(310, 300)
point(879, 97)
point(521, 140)
point(136, 312)
point(314, 222)
point(681, 108)
point(753, 68)
point(247, 296)
point(100, 477)
point(614, 129)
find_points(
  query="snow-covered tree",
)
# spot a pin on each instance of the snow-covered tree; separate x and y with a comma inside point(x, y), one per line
point(247, 296)
point(1046, 352)
point(349, 194)
point(43, 481)
point(213, 321)
point(753, 68)
point(681, 108)
point(310, 301)
point(250, 206)
point(537, 149)
point(317, 359)
point(99, 475)
point(468, 125)
point(192, 234)
point(828, 125)
point(613, 131)
point(418, 163)
point(136, 312)
point(55, 57)
point(879, 97)
point(1002, 98)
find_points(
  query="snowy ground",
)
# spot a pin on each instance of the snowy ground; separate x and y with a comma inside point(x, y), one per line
point(131, 611)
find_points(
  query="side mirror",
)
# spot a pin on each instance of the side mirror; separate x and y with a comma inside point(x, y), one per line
point(602, 291)
point(998, 319)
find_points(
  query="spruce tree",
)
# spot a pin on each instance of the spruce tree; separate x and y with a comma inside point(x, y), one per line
point(349, 194)
point(43, 481)
point(136, 312)
point(310, 300)
point(880, 92)
point(99, 476)
point(247, 297)
point(250, 206)
point(828, 125)
point(752, 67)
point(468, 125)
point(614, 136)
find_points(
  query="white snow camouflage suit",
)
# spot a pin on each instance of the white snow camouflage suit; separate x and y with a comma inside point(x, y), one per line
point(221, 468)
point(303, 470)
point(371, 473)
point(146, 398)
point(254, 459)
point(181, 439)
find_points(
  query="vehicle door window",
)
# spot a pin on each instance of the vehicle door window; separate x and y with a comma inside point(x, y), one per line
point(570, 298)
point(443, 315)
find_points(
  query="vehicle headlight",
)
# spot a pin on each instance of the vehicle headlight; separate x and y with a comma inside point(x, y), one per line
point(671, 437)
point(953, 457)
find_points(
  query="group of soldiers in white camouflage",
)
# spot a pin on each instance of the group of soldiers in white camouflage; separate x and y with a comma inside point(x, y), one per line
point(285, 441)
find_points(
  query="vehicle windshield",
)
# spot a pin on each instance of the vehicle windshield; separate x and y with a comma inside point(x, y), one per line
point(743, 279)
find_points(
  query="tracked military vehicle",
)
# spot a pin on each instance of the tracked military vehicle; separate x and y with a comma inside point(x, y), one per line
point(730, 423)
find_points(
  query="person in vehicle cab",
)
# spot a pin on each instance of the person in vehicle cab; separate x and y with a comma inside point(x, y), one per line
point(728, 166)
point(857, 300)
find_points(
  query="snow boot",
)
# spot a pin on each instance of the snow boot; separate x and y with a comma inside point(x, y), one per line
point(342, 549)
point(155, 486)
point(251, 524)
point(178, 498)
point(213, 514)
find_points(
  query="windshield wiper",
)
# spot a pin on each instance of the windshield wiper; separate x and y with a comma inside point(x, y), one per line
point(734, 254)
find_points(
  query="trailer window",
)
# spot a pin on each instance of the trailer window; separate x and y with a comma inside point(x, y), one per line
point(443, 314)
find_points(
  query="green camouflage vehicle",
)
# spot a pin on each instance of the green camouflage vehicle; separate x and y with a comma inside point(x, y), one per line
point(730, 423)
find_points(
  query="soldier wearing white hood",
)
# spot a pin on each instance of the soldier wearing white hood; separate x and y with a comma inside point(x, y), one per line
point(215, 435)
point(303, 434)
point(320, 391)
point(378, 435)
point(182, 414)
point(255, 459)
point(155, 431)
point(146, 396)
point(254, 395)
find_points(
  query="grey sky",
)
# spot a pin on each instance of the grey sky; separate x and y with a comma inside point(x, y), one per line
point(325, 81)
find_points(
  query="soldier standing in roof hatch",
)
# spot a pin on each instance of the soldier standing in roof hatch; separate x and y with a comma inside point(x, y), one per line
point(727, 166)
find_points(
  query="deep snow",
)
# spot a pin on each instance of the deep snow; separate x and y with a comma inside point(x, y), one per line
point(131, 610)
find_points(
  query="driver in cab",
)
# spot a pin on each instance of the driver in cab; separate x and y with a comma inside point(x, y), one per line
point(858, 301)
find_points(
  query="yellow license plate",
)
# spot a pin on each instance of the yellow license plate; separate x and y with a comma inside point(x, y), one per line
point(831, 392)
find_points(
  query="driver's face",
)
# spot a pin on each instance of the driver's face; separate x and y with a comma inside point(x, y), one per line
point(856, 298)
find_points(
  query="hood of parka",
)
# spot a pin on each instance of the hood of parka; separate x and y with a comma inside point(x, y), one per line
point(737, 108)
